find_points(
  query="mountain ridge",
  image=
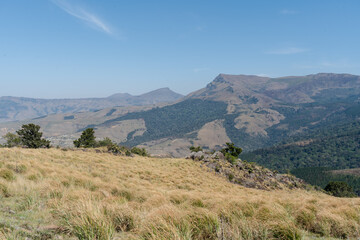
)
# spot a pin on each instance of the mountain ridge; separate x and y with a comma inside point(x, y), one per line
point(21, 108)
point(251, 111)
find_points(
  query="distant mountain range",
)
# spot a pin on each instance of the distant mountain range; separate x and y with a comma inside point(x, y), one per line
point(251, 111)
point(19, 108)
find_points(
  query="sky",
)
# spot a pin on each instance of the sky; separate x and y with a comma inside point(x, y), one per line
point(92, 48)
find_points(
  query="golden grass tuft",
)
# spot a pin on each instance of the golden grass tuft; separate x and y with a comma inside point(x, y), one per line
point(89, 195)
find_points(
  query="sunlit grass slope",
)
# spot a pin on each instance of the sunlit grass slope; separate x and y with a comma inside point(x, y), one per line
point(55, 194)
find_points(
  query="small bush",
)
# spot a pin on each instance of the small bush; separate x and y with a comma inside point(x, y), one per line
point(339, 189)
point(231, 159)
point(195, 149)
point(12, 140)
point(105, 142)
point(232, 150)
point(139, 151)
point(113, 148)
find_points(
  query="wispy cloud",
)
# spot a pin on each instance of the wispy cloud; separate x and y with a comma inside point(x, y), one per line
point(287, 51)
point(84, 15)
point(288, 12)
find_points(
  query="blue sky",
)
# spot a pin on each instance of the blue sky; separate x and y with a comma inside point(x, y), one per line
point(92, 48)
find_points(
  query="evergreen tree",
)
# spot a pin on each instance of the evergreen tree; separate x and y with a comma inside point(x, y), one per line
point(87, 139)
point(30, 136)
point(231, 152)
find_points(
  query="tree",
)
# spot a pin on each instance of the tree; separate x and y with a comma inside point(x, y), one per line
point(87, 139)
point(195, 149)
point(30, 136)
point(231, 152)
point(339, 189)
point(12, 140)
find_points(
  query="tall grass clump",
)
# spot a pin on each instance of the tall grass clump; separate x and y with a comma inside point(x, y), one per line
point(87, 221)
point(7, 174)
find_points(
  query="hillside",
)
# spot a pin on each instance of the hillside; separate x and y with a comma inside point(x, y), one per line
point(314, 155)
point(321, 176)
point(56, 194)
point(334, 147)
point(253, 112)
point(19, 108)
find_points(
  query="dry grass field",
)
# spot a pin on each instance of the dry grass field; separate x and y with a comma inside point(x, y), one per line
point(56, 194)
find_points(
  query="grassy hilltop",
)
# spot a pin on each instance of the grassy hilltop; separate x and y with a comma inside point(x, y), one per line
point(55, 194)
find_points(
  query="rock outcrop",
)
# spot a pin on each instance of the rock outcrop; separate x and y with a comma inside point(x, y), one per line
point(245, 173)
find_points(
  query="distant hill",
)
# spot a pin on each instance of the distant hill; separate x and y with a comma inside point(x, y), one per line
point(18, 108)
point(251, 111)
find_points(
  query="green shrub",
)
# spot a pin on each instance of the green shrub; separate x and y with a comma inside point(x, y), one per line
point(139, 151)
point(113, 148)
point(231, 159)
point(12, 140)
point(105, 142)
point(195, 149)
point(232, 150)
point(339, 189)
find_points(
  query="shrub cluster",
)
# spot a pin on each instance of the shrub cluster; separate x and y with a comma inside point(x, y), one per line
point(88, 140)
